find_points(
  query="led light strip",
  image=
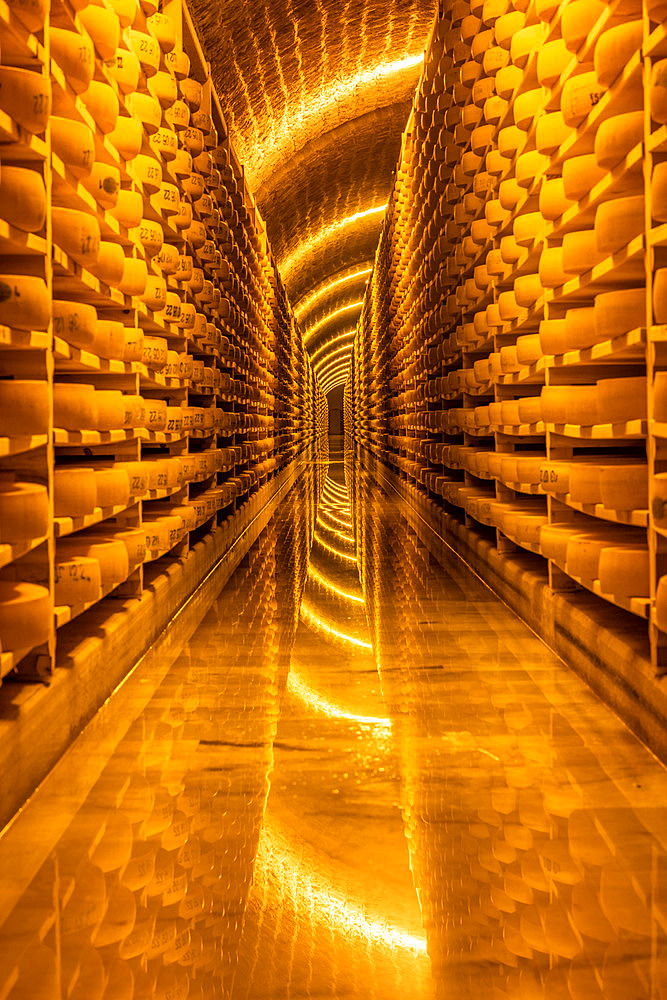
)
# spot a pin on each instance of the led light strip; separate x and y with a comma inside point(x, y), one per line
point(311, 331)
point(314, 575)
point(335, 552)
point(287, 266)
point(330, 343)
point(304, 305)
point(310, 618)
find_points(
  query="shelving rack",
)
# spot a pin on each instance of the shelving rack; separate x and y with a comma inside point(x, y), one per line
point(492, 300)
point(194, 330)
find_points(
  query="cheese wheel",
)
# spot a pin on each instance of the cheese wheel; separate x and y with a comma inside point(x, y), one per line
point(507, 25)
point(164, 143)
point(22, 198)
point(555, 477)
point(111, 555)
point(146, 109)
point(178, 62)
point(103, 26)
point(74, 406)
point(616, 313)
point(617, 136)
point(617, 222)
point(123, 67)
point(553, 201)
point(508, 359)
point(26, 97)
point(624, 486)
point(554, 539)
point(507, 80)
point(135, 410)
point(580, 252)
point(24, 511)
point(127, 137)
point(584, 550)
point(658, 92)
point(529, 166)
point(578, 19)
point(147, 50)
point(530, 410)
point(135, 277)
point(585, 482)
point(155, 353)
point(659, 192)
point(78, 580)
point(109, 339)
point(580, 95)
point(192, 139)
point(614, 49)
point(166, 202)
point(525, 42)
point(111, 410)
point(156, 415)
point(113, 487)
point(580, 175)
point(77, 233)
point(625, 571)
point(527, 107)
point(178, 115)
point(104, 184)
point(148, 172)
point(138, 474)
point(74, 143)
point(134, 540)
point(26, 615)
point(75, 55)
point(162, 27)
point(168, 260)
point(527, 290)
point(621, 399)
point(110, 263)
point(75, 491)
point(150, 235)
point(133, 347)
point(128, 209)
point(528, 227)
point(553, 58)
point(163, 88)
point(24, 302)
point(155, 294)
point(183, 218)
point(565, 404)
point(660, 295)
point(528, 349)
point(162, 533)
point(552, 132)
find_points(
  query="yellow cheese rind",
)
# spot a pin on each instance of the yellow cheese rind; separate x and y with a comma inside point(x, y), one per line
point(26, 97)
point(24, 511)
point(26, 615)
point(22, 198)
point(24, 407)
point(24, 302)
point(75, 491)
point(78, 580)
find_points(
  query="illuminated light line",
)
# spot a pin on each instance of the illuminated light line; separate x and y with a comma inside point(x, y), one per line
point(311, 331)
point(333, 370)
point(304, 305)
point(338, 355)
point(310, 618)
point(334, 487)
point(312, 700)
point(315, 893)
point(338, 520)
point(322, 580)
point(336, 552)
point(330, 343)
point(335, 531)
point(330, 386)
point(288, 265)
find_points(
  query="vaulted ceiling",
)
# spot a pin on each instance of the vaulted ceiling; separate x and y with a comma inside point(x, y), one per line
point(316, 95)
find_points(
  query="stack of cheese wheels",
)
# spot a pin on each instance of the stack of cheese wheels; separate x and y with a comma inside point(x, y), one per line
point(583, 550)
point(24, 510)
point(79, 407)
point(134, 540)
point(111, 555)
point(163, 532)
point(26, 615)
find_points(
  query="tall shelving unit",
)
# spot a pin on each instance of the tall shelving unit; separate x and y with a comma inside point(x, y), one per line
point(169, 379)
point(509, 355)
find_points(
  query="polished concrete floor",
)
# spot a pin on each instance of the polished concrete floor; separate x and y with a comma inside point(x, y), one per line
point(350, 773)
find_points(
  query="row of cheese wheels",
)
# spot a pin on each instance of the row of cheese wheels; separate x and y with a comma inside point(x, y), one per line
point(26, 407)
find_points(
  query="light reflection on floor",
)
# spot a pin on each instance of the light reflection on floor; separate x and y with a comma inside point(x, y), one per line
point(353, 773)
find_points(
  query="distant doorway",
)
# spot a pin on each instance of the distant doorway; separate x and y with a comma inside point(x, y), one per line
point(335, 401)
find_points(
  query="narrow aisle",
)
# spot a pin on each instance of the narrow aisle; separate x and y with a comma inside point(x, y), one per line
point(351, 772)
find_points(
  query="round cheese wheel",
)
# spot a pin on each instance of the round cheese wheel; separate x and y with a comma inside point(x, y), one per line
point(155, 294)
point(104, 184)
point(31, 13)
point(617, 222)
point(133, 346)
point(24, 511)
point(614, 49)
point(155, 353)
point(624, 486)
point(22, 198)
point(525, 42)
point(24, 302)
point(75, 55)
point(162, 533)
point(527, 107)
point(529, 166)
point(580, 175)
point(553, 201)
point(138, 474)
point(621, 399)
point(192, 139)
point(26, 97)
point(110, 410)
point(124, 67)
point(528, 349)
point(135, 277)
point(109, 339)
point(530, 410)
point(147, 170)
point(77, 233)
point(156, 415)
point(74, 143)
point(660, 295)
point(569, 404)
point(178, 62)
point(147, 50)
point(616, 313)
point(135, 411)
point(553, 58)
point(74, 406)
point(554, 539)
point(552, 132)
point(580, 95)
point(585, 482)
point(163, 28)
point(166, 202)
point(127, 137)
point(578, 20)
point(164, 143)
point(580, 329)
point(507, 80)
point(78, 580)
point(555, 478)
point(617, 136)
point(111, 555)
point(528, 289)
point(146, 109)
point(178, 115)
point(128, 208)
point(625, 571)
point(658, 92)
point(659, 192)
point(528, 227)
point(101, 101)
point(134, 540)
point(150, 235)
point(168, 260)
point(580, 252)
point(582, 559)
point(74, 492)
point(551, 269)
point(113, 487)
point(110, 263)
point(103, 26)
point(507, 25)
point(26, 615)
point(163, 88)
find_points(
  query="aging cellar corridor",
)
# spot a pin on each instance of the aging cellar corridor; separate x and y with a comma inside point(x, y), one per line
point(350, 772)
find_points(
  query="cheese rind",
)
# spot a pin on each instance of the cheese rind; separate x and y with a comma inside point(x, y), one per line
point(26, 97)
point(26, 615)
point(24, 407)
point(24, 302)
point(75, 491)
point(78, 580)
point(22, 198)
point(24, 511)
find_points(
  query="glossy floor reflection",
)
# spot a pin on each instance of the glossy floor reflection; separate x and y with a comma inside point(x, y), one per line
point(350, 773)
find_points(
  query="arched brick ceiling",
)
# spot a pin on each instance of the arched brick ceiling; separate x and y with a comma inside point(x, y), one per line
point(316, 94)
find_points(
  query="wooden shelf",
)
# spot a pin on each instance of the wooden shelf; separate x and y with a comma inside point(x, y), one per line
point(25, 339)
point(63, 526)
point(19, 445)
point(639, 606)
point(8, 553)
